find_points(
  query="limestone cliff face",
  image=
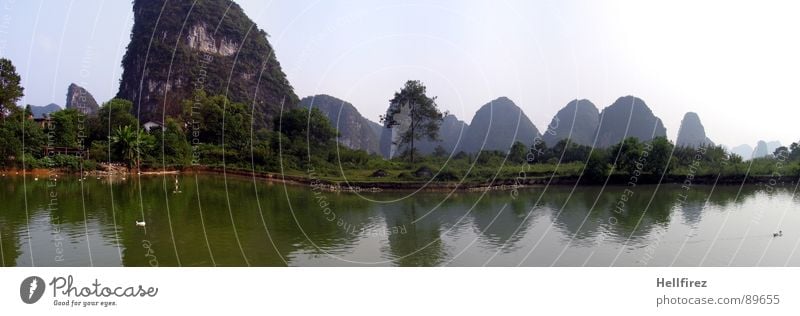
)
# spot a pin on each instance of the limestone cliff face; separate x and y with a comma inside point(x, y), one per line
point(389, 141)
point(178, 48)
point(628, 117)
point(576, 121)
point(80, 99)
point(692, 133)
point(201, 38)
point(355, 131)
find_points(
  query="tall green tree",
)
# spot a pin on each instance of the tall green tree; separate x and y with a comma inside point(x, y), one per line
point(716, 157)
point(309, 131)
point(794, 151)
point(735, 158)
point(518, 152)
point(781, 151)
point(659, 160)
point(66, 125)
point(412, 109)
point(171, 144)
point(112, 114)
point(10, 146)
point(10, 90)
point(216, 120)
point(596, 169)
point(132, 144)
point(626, 155)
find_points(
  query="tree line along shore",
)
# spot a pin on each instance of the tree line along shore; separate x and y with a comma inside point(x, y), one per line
point(214, 134)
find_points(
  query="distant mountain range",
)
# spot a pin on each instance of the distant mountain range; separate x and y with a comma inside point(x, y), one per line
point(41, 111)
point(500, 123)
point(762, 149)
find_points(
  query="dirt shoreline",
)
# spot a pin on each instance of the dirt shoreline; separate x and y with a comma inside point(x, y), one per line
point(377, 186)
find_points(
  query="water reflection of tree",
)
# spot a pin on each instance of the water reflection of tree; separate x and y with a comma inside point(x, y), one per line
point(726, 195)
point(12, 219)
point(421, 244)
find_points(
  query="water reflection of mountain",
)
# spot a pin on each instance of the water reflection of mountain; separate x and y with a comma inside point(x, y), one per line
point(217, 223)
point(502, 220)
point(571, 208)
point(616, 214)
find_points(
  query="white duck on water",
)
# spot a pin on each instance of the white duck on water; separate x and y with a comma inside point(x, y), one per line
point(141, 224)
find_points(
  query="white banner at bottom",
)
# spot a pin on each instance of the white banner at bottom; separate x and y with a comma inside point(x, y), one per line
point(399, 291)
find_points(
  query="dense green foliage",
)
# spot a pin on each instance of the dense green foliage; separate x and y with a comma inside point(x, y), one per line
point(415, 112)
point(214, 131)
point(10, 90)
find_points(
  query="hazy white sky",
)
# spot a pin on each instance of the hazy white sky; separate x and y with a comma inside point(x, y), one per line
point(736, 64)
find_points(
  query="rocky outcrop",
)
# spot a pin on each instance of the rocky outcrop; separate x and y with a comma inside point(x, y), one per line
point(744, 150)
point(496, 126)
point(577, 121)
point(201, 38)
point(80, 99)
point(179, 48)
point(355, 131)
point(628, 117)
point(378, 130)
point(692, 133)
point(761, 149)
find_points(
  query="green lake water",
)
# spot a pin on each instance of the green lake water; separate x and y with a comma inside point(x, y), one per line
point(238, 221)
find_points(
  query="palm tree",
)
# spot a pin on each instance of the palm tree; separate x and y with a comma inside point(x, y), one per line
point(132, 143)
